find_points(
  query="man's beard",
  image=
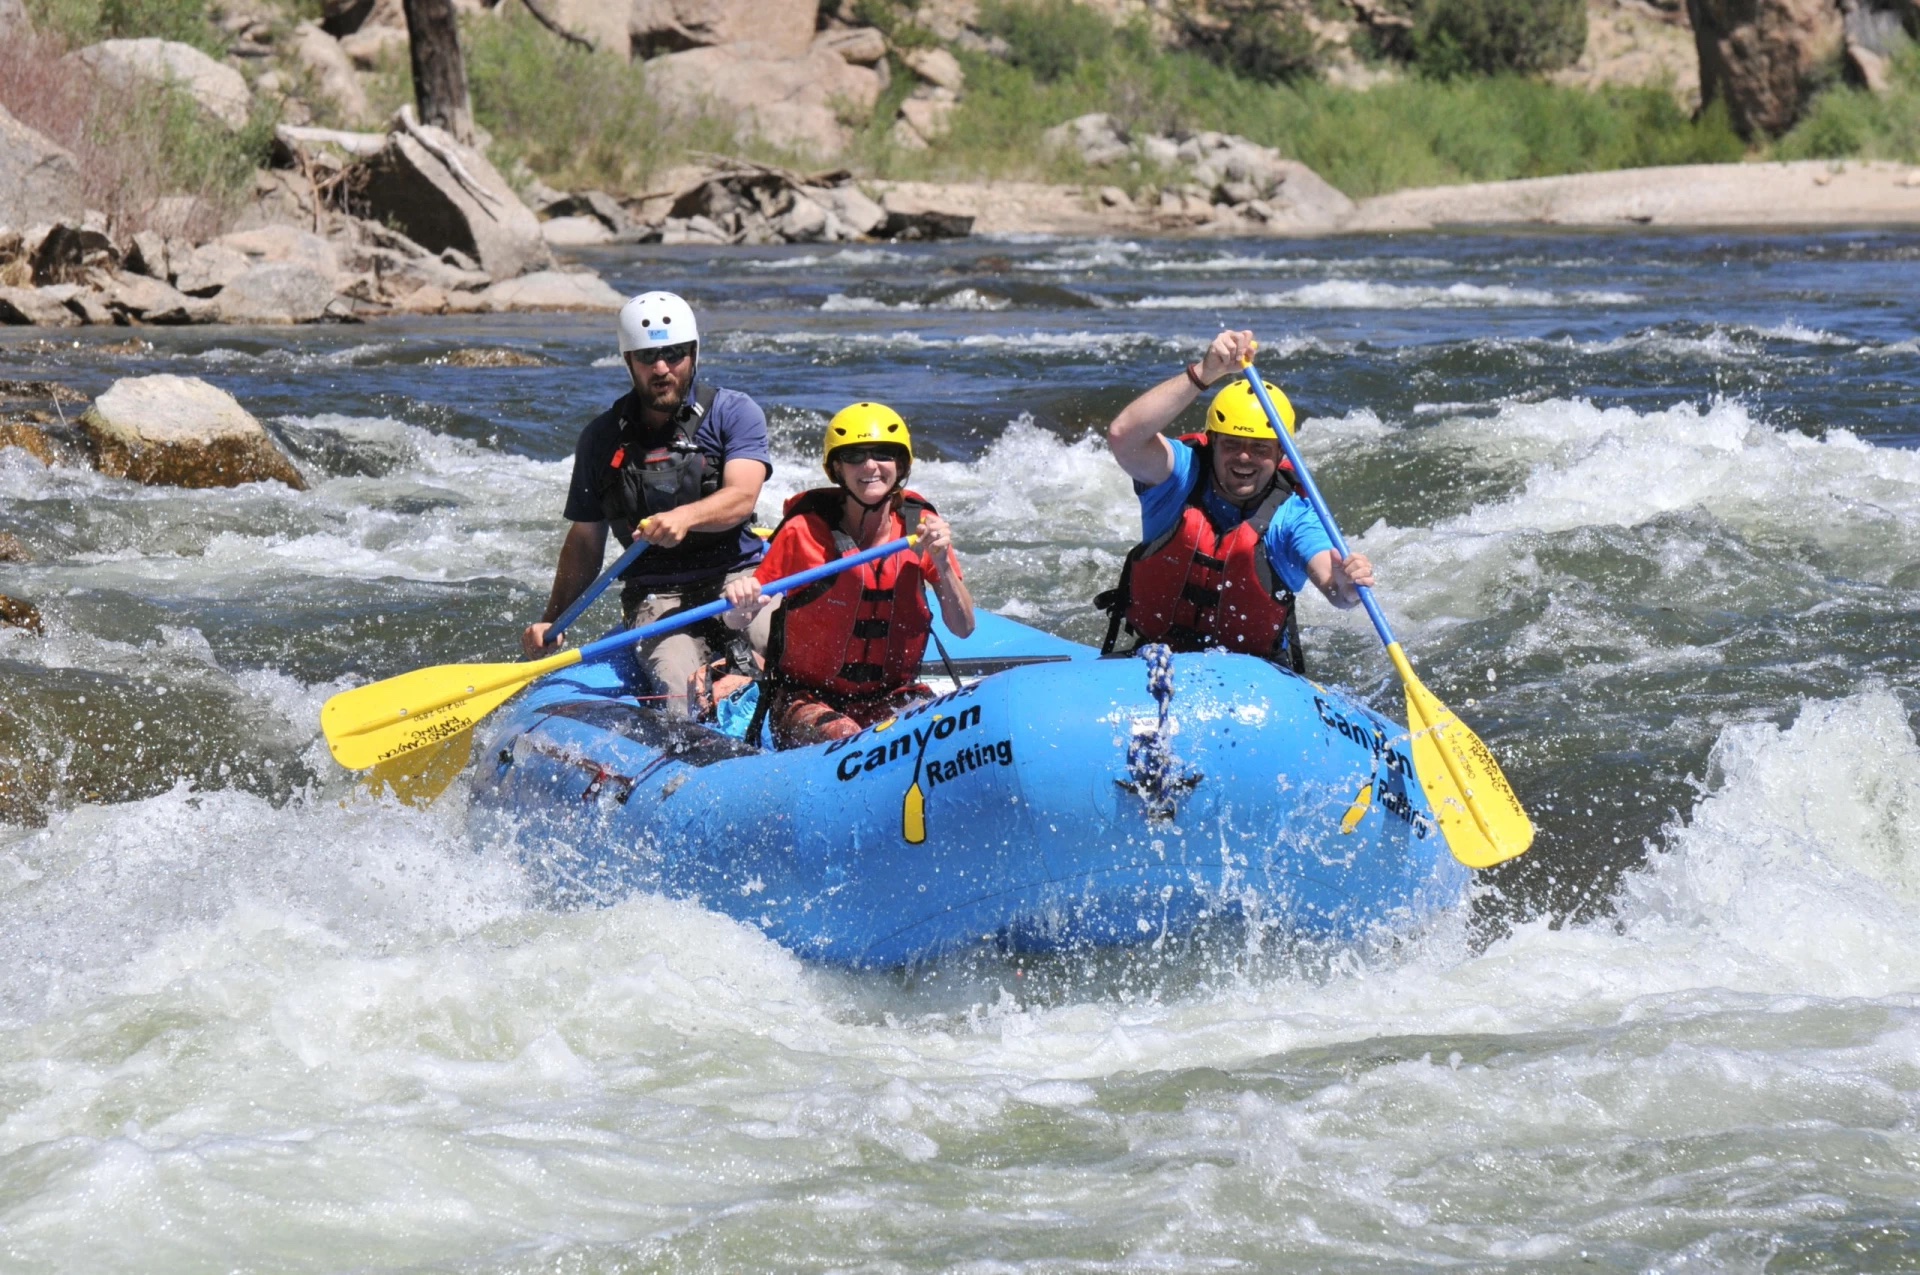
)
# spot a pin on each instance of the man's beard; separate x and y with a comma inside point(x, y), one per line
point(668, 399)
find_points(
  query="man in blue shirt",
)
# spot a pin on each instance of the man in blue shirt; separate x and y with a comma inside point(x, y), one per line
point(1225, 540)
point(679, 466)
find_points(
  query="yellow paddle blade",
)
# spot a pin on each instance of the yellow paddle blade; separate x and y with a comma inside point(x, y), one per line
point(418, 778)
point(373, 724)
point(1479, 814)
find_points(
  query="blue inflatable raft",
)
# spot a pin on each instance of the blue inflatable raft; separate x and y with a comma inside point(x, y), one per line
point(1051, 800)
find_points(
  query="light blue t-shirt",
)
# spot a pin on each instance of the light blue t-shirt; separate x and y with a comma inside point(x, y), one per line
point(1293, 537)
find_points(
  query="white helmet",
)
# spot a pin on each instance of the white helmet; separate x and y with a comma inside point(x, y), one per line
point(654, 319)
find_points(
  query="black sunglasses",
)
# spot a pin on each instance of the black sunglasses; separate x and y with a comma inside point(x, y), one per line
point(861, 455)
point(670, 354)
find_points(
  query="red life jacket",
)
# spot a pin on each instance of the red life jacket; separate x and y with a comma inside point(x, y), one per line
point(1195, 588)
point(861, 633)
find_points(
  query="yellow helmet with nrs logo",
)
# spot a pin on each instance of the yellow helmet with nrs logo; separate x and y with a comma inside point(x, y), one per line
point(1236, 411)
point(865, 424)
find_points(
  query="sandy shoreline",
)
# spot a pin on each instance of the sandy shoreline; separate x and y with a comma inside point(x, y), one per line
point(1735, 196)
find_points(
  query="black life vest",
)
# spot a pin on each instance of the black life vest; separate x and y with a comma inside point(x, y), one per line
point(1196, 588)
point(641, 480)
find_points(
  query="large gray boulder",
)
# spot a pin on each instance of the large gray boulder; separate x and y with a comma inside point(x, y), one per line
point(783, 28)
point(219, 90)
point(276, 292)
point(39, 307)
point(1763, 58)
point(1097, 139)
point(180, 431)
point(553, 290)
point(39, 181)
point(149, 300)
point(443, 195)
point(208, 269)
point(602, 23)
point(330, 70)
point(1237, 171)
point(794, 101)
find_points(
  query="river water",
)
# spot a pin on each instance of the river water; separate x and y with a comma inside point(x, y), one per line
point(1645, 511)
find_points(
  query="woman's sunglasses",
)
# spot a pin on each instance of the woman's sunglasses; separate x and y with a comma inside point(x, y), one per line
point(861, 455)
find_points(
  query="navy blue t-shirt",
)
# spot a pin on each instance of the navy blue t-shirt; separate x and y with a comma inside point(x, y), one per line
point(734, 429)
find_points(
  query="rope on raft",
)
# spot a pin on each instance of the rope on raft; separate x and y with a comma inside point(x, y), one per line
point(1157, 775)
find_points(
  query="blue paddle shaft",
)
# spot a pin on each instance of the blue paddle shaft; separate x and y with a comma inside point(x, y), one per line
point(1314, 498)
point(798, 580)
point(594, 590)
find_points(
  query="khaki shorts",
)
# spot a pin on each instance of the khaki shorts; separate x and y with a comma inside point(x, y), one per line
point(674, 658)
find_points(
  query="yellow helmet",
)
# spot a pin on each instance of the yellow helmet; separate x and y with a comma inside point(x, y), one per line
point(1236, 411)
point(865, 423)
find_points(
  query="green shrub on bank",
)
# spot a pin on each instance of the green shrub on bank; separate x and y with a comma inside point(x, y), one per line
point(1487, 37)
point(82, 22)
point(1414, 132)
point(1050, 38)
point(1266, 41)
point(138, 147)
point(1845, 122)
point(580, 119)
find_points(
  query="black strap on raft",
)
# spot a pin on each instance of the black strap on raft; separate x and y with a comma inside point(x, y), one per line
point(946, 661)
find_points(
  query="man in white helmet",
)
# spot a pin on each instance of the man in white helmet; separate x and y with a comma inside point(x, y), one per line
point(681, 468)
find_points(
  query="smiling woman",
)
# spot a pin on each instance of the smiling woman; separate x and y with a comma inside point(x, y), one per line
point(842, 657)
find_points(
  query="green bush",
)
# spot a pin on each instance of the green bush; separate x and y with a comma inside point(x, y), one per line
point(1266, 41)
point(1844, 122)
point(579, 119)
point(1462, 37)
point(82, 22)
point(1413, 132)
point(1051, 38)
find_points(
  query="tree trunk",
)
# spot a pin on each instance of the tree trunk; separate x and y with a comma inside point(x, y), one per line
point(439, 73)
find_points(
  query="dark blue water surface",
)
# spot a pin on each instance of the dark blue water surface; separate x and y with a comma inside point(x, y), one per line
point(1507, 423)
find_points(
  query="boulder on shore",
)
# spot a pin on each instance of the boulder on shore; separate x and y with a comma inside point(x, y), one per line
point(39, 181)
point(794, 101)
point(1233, 183)
point(39, 307)
point(180, 431)
point(443, 195)
point(219, 90)
point(552, 290)
point(784, 27)
point(753, 203)
point(276, 292)
point(1764, 57)
point(331, 69)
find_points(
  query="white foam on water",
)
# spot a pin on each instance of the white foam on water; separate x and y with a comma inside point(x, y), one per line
point(1721, 343)
point(1578, 467)
point(1357, 294)
point(1102, 345)
point(339, 1004)
point(965, 299)
point(845, 257)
